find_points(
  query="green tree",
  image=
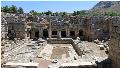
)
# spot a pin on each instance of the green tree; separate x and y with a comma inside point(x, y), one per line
point(5, 9)
point(20, 10)
point(61, 13)
point(48, 13)
point(64, 13)
point(13, 9)
point(56, 13)
point(82, 13)
point(112, 13)
point(78, 12)
point(33, 12)
point(39, 14)
point(74, 13)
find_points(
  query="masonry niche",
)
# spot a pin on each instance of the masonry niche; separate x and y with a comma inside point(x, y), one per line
point(63, 33)
point(45, 33)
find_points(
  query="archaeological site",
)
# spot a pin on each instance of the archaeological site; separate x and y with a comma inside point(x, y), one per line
point(55, 41)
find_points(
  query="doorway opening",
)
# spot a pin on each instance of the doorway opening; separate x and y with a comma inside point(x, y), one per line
point(37, 34)
point(54, 32)
point(80, 32)
point(72, 33)
point(45, 33)
point(63, 33)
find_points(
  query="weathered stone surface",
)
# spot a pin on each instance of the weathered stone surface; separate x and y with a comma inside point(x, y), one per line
point(114, 43)
point(23, 26)
point(26, 26)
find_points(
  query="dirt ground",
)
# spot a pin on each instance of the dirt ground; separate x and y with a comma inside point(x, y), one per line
point(42, 62)
point(59, 51)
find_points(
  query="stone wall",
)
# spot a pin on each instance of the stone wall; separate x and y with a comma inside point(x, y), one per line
point(4, 29)
point(59, 41)
point(13, 25)
point(92, 27)
point(114, 43)
point(66, 41)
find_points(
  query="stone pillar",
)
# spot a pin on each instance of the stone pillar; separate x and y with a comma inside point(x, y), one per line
point(50, 33)
point(59, 34)
point(33, 33)
point(26, 35)
point(67, 32)
point(50, 30)
point(77, 33)
point(40, 32)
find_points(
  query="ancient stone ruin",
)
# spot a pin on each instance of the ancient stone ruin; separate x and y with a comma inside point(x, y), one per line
point(87, 28)
point(60, 42)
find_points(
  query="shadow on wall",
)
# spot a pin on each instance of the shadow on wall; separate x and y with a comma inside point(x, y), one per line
point(107, 63)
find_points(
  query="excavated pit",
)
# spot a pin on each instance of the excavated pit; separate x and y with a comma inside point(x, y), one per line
point(58, 49)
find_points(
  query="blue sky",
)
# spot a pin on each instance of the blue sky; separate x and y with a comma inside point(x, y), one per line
point(54, 6)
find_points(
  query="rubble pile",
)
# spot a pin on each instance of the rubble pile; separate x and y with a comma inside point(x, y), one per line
point(20, 51)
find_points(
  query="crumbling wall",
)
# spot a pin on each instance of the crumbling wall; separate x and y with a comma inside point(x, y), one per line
point(93, 27)
point(114, 43)
point(4, 28)
point(13, 25)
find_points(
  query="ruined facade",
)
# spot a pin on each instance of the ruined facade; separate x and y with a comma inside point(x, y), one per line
point(87, 28)
point(34, 27)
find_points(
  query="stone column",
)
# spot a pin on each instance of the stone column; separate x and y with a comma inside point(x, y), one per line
point(59, 34)
point(26, 35)
point(50, 29)
point(50, 33)
point(67, 32)
point(33, 33)
point(77, 33)
point(40, 32)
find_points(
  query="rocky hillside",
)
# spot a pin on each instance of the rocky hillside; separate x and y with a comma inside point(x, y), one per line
point(107, 6)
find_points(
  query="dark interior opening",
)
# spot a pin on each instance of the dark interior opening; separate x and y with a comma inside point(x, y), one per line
point(72, 33)
point(81, 35)
point(45, 33)
point(9, 31)
point(54, 32)
point(63, 33)
point(80, 32)
point(37, 34)
point(30, 33)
